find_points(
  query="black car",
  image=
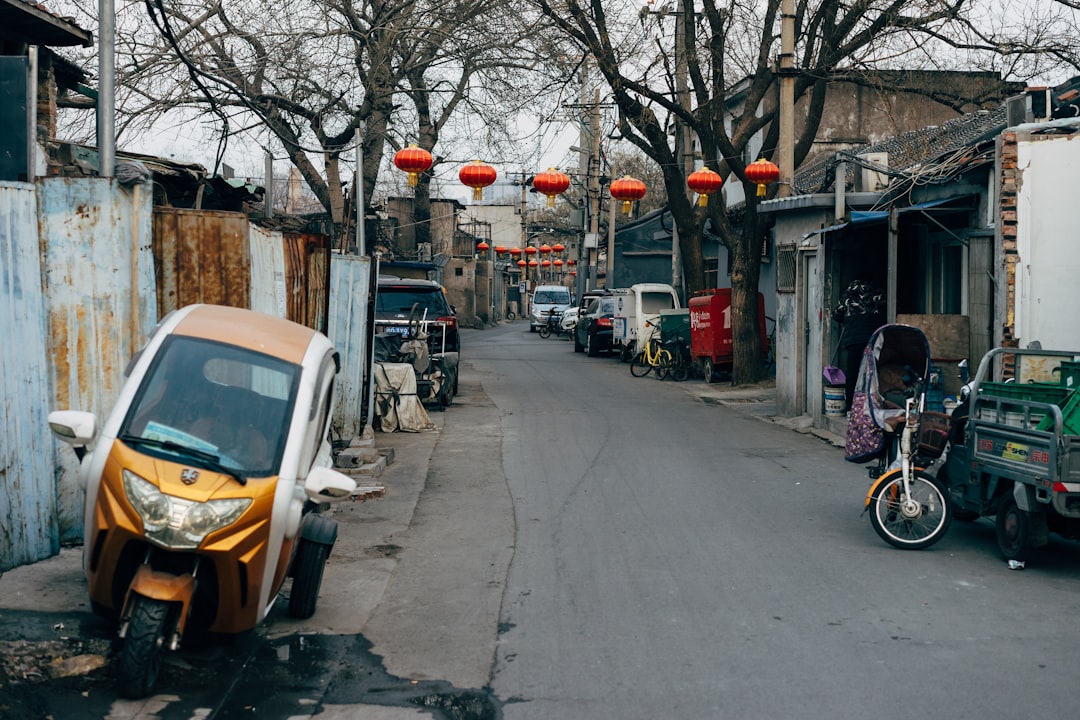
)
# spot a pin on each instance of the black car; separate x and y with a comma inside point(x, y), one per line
point(394, 302)
point(593, 332)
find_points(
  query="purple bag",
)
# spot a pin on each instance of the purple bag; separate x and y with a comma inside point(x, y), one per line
point(865, 440)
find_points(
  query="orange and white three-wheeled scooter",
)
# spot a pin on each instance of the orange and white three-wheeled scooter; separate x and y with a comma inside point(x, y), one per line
point(201, 481)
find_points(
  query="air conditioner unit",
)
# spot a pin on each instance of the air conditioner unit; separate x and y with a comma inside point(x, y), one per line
point(873, 179)
point(1035, 105)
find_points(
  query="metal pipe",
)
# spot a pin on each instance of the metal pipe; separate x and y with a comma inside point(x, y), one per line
point(106, 104)
point(358, 192)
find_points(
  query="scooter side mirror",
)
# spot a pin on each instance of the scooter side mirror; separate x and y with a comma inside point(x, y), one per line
point(325, 484)
point(75, 427)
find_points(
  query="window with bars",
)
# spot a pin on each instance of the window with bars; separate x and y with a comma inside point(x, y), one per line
point(785, 268)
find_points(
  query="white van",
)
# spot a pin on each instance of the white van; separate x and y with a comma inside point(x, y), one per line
point(545, 299)
point(640, 304)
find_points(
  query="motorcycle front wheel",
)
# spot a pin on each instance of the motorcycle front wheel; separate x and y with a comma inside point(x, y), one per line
point(545, 331)
point(143, 648)
point(910, 523)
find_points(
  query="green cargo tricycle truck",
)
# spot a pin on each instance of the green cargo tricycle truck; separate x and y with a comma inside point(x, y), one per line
point(1017, 459)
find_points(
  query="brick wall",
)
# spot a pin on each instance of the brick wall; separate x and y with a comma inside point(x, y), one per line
point(1010, 180)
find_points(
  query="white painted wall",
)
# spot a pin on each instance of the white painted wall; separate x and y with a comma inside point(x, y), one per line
point(1047, 302)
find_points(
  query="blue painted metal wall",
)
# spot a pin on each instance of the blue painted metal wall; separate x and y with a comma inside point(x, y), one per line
point(28, 524)
point(350, 284)
point(101, 303)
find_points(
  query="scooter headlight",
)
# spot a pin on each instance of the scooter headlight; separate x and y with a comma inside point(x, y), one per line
point(151, 504)
point(201, 519)
point(176, 523)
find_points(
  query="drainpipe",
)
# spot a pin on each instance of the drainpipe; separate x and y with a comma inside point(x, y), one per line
point(106, 104)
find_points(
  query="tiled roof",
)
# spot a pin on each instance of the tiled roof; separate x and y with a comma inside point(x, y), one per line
point(32, 23)
point(910, 149)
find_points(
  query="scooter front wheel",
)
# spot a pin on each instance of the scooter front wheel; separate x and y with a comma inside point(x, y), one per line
point(545, 332)
point(143, 648)
point(915, 522)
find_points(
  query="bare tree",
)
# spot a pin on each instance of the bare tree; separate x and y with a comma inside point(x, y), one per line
point(312, 79)
point(725, 52)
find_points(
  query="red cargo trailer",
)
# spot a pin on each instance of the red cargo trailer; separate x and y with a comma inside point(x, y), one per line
point(710, 331)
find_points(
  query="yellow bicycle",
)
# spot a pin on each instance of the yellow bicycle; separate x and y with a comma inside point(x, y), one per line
point(652, 356)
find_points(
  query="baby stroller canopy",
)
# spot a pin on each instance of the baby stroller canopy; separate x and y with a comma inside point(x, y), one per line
point(895, 362)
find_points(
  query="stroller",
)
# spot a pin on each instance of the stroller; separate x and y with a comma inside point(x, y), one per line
point(887, 423)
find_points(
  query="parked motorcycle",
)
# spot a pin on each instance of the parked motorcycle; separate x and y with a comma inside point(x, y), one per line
point(553, 326)
point(203, 483)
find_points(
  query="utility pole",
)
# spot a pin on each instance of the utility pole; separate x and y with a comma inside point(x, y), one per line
point(786, 150)
point(684, 149)
point(584, 165)
point(524, 295)
point(594, 191)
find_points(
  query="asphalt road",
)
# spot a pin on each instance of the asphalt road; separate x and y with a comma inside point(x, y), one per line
point(674, 558)
point(575, 543)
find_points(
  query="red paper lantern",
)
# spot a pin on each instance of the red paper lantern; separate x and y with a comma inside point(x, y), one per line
point(558, 247)
point(482, 246)
point(704, 182)
point(628, 189)
point(545, 263)
point(521, 263)
point(530, 250)
point(500, 250)
point(478, 176)
point(515, 251)
point(551, 183)
point(533, 263)
point(762, 172)
point(413, 160)
point(545, 249)
point(558, 263)
point(571, 262)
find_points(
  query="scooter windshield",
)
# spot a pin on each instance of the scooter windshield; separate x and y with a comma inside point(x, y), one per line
point(223, 405)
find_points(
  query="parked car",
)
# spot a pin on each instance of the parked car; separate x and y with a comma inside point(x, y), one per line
point(569, 319)
point(593, 333)
point(395, 299)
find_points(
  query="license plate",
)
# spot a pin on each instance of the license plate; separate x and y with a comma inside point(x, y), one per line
point(398, 329)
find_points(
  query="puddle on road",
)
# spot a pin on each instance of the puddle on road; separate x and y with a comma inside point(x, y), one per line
point(295, 674)
point(240, 676)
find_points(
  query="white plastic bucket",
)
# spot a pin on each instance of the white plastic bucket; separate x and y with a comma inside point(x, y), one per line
point(835, 400)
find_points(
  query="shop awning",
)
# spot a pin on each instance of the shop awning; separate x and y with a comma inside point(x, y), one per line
point(865, 218)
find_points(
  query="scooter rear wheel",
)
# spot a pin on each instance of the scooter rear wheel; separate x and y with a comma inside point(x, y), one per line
point(143, 648)
point(911, 523)
point(308, 566)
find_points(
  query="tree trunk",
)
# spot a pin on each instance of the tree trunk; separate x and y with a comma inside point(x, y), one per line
point(745, 258)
